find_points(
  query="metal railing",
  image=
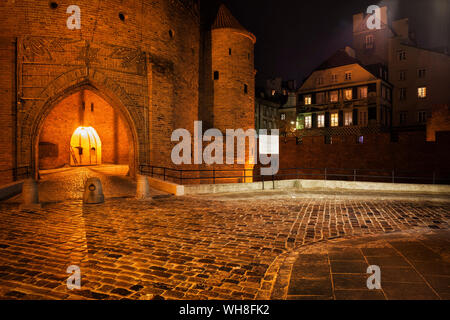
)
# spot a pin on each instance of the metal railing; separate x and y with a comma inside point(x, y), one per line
point(241, 175)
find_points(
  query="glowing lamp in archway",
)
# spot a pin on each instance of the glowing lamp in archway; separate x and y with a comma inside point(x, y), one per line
point(85, 147)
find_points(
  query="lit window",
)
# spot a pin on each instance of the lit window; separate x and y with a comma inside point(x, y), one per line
point(334, 119)
point(422, 92)
point(273, 92)
point(402, 93)
point(401, 55)
point(308, 100)
point(334, 96)
point(308, 122)
point(348, 118)
point(363, 92)
point(348, 94)
point(421, 73)
point(369, 41)
point(283, 116)
point(422, 116)
point(321, 120)
point(348, 76)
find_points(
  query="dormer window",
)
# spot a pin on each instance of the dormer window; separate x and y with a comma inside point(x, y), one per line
point(348, 76)
point(307, 100)
point(401, 55)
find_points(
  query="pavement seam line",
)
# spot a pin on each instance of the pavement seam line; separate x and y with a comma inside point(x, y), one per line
point(420, 274)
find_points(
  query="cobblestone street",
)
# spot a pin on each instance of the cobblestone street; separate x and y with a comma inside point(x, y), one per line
point(182, 247)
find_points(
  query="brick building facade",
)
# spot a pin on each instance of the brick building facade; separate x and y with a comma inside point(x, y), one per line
point(148, 67)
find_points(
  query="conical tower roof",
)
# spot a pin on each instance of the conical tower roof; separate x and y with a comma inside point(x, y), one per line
point(225, 19)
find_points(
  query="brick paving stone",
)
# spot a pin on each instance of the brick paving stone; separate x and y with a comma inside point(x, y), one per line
point(197, 247)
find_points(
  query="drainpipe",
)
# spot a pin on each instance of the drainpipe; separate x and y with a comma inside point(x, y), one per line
point(14, 109)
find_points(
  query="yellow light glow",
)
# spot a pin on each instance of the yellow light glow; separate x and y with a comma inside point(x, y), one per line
point(85, 147)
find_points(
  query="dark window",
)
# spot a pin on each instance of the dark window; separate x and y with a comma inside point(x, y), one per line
point(216, 75)
point(328, 140)
point(245, 89)
point(422, 73)
point(229, 51)
point(394, 137)
point(402, 93)
point(92, 107)
point(403, 117)
point(122, 16)
point(53, 5)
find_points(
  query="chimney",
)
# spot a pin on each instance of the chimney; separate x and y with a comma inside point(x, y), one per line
point(357, 20)
point(384, 16)
point(350, 52)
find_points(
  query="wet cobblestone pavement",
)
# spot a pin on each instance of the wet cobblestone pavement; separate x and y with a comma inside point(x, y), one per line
point(182, 247)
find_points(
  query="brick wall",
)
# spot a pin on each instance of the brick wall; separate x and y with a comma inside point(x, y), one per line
point(410, 155)
point(439, 121)
point(147, 67)
point(7, 88)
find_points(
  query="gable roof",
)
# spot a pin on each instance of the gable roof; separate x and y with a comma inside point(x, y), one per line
point(338, 59)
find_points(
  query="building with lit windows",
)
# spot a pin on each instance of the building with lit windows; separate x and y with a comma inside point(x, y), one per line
point(344, 98)
point(385, 83)
point(420, 76)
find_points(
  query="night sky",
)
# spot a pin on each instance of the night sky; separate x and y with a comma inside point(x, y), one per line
point(295, 36)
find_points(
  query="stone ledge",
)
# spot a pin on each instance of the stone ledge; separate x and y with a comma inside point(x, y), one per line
point(166, 186)
point(320, 185)
point(10, 190)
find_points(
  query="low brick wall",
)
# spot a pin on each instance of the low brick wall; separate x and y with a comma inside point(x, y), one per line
point(10, 190)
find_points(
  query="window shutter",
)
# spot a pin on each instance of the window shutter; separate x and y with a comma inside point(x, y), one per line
point(341, 118)
point(327, 119)
point(373, 113)
point(355, 117)
point(314, 120)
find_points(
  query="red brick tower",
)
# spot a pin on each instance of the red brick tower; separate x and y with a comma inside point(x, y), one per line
point(233, 73)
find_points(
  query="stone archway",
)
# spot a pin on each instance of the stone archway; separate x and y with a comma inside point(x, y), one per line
point(65, 85)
